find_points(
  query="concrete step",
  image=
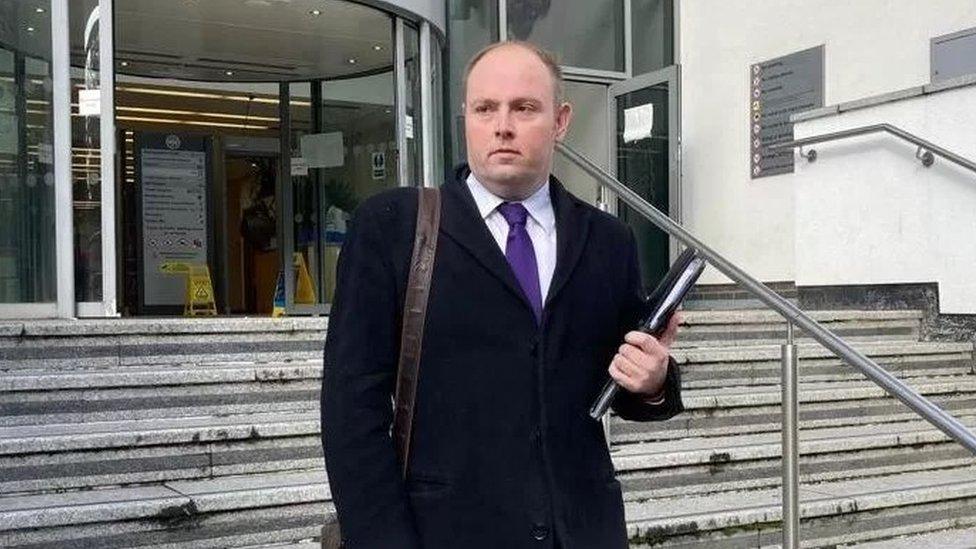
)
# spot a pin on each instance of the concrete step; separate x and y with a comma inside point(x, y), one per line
point(744, 410)
point(285, 507)
point(226, 512)
point(832, 513)
point(113, 351)
point(41, 397)
point(957, 538)
point(97, 454)
point(738, 462)
point(749, 326)
point(722, 366)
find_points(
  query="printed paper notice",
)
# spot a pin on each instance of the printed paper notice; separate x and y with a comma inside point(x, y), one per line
point(90, 102)
point(638, 122)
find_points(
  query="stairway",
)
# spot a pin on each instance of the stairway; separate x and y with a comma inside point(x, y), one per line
point(205, 433)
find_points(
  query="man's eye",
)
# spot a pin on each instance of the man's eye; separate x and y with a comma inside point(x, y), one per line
point(481, 109)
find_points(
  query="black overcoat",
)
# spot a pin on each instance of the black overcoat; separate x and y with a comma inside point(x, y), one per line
point(504, 453)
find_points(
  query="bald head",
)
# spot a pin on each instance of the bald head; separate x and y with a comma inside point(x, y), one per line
point(547, 59)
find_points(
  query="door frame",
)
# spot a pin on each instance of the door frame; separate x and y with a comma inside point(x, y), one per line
point(671, 76)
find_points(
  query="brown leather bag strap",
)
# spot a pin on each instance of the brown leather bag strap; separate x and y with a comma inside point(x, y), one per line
point(414, 314)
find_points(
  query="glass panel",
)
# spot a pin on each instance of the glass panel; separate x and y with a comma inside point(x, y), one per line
point(643, 165)
point(362, 110)
point(205, 68)
point(652, 23)
point(27, 240)
point(583, 34)
point(411, 66)
point(588, 133)
point(85, 150)
point(472, 25)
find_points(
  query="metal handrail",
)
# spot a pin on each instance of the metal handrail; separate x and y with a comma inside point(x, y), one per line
point(926, 157)
point(892, 385)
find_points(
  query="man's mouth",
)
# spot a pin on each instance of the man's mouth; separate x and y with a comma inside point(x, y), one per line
point(504, 151)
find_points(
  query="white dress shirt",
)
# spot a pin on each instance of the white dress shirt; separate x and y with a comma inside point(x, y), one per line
point(541, 226)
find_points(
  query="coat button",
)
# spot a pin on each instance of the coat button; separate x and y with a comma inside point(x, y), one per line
point(540, 531)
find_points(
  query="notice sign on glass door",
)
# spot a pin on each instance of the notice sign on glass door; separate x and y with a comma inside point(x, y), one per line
point(778, 88)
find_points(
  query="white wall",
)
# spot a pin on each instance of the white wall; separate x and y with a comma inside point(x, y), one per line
point(871, 47)
point(868, 212)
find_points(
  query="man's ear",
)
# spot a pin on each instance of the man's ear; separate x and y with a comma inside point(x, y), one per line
point(564, 114)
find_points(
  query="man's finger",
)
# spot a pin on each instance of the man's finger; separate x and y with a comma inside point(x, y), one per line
point(648, 343)
point(621, 378)
point(642, 358)
point(627, 367)
point(671, 332)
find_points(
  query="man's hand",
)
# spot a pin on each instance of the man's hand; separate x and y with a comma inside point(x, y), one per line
point(641, 364)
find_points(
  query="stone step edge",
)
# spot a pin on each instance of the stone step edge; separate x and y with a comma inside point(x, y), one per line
point(116, 434)
point(159, 326)
point(766, 316)
point(194, 498)
point(726, 452)
point(820, 507)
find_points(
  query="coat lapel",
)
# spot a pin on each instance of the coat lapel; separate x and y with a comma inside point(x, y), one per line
point(461, 221)
point(572, 228)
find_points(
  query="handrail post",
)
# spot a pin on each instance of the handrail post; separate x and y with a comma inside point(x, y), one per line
point(605, 420)
point(791, 470)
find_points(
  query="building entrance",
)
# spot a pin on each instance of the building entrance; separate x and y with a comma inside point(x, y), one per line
point(245, 134)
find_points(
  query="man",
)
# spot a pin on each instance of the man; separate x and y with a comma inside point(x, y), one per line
point(532, 300)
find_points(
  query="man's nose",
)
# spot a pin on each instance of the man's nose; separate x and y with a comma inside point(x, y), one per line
point(503, 125)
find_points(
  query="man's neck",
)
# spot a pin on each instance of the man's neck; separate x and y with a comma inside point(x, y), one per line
point(513, 193)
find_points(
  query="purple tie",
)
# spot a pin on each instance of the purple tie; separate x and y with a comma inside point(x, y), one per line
point(521, 254)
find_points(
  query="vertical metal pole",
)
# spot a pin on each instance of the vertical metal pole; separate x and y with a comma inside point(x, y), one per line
point(502, 20)
point(63, 196)
point(426, 108)
point(285, 195)
point(791, 474)
point(602, 204)
point(400, 75)
point(106, 81)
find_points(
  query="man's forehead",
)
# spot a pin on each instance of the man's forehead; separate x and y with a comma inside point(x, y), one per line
point(509, 73)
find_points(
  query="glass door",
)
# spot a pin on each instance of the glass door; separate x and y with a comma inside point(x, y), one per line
point(645, 125)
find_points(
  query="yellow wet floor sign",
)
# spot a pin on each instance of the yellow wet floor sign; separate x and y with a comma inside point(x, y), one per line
point(199, 299)
point(304, 290)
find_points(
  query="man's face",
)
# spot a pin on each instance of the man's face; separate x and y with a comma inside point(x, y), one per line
point(511, 121)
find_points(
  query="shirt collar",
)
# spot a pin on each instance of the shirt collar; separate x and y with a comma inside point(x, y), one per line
point(539, 205)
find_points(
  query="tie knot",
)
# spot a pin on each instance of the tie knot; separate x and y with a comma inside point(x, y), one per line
point(514, 213)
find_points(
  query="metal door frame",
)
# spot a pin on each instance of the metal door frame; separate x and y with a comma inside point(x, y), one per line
point(671, 76)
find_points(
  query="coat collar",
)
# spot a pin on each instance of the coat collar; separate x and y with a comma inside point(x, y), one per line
point(462, 222)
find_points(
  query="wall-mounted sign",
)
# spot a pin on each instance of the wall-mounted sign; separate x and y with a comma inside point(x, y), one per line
point(379, 165)
point(778, 88)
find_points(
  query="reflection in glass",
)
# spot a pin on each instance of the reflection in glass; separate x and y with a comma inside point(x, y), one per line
point(411, 66)
point(582, 34)
point(644, 165)
point(652, 23)
point(27, 241)
point(587, 134)
point(86, 177)
point(472, 25)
